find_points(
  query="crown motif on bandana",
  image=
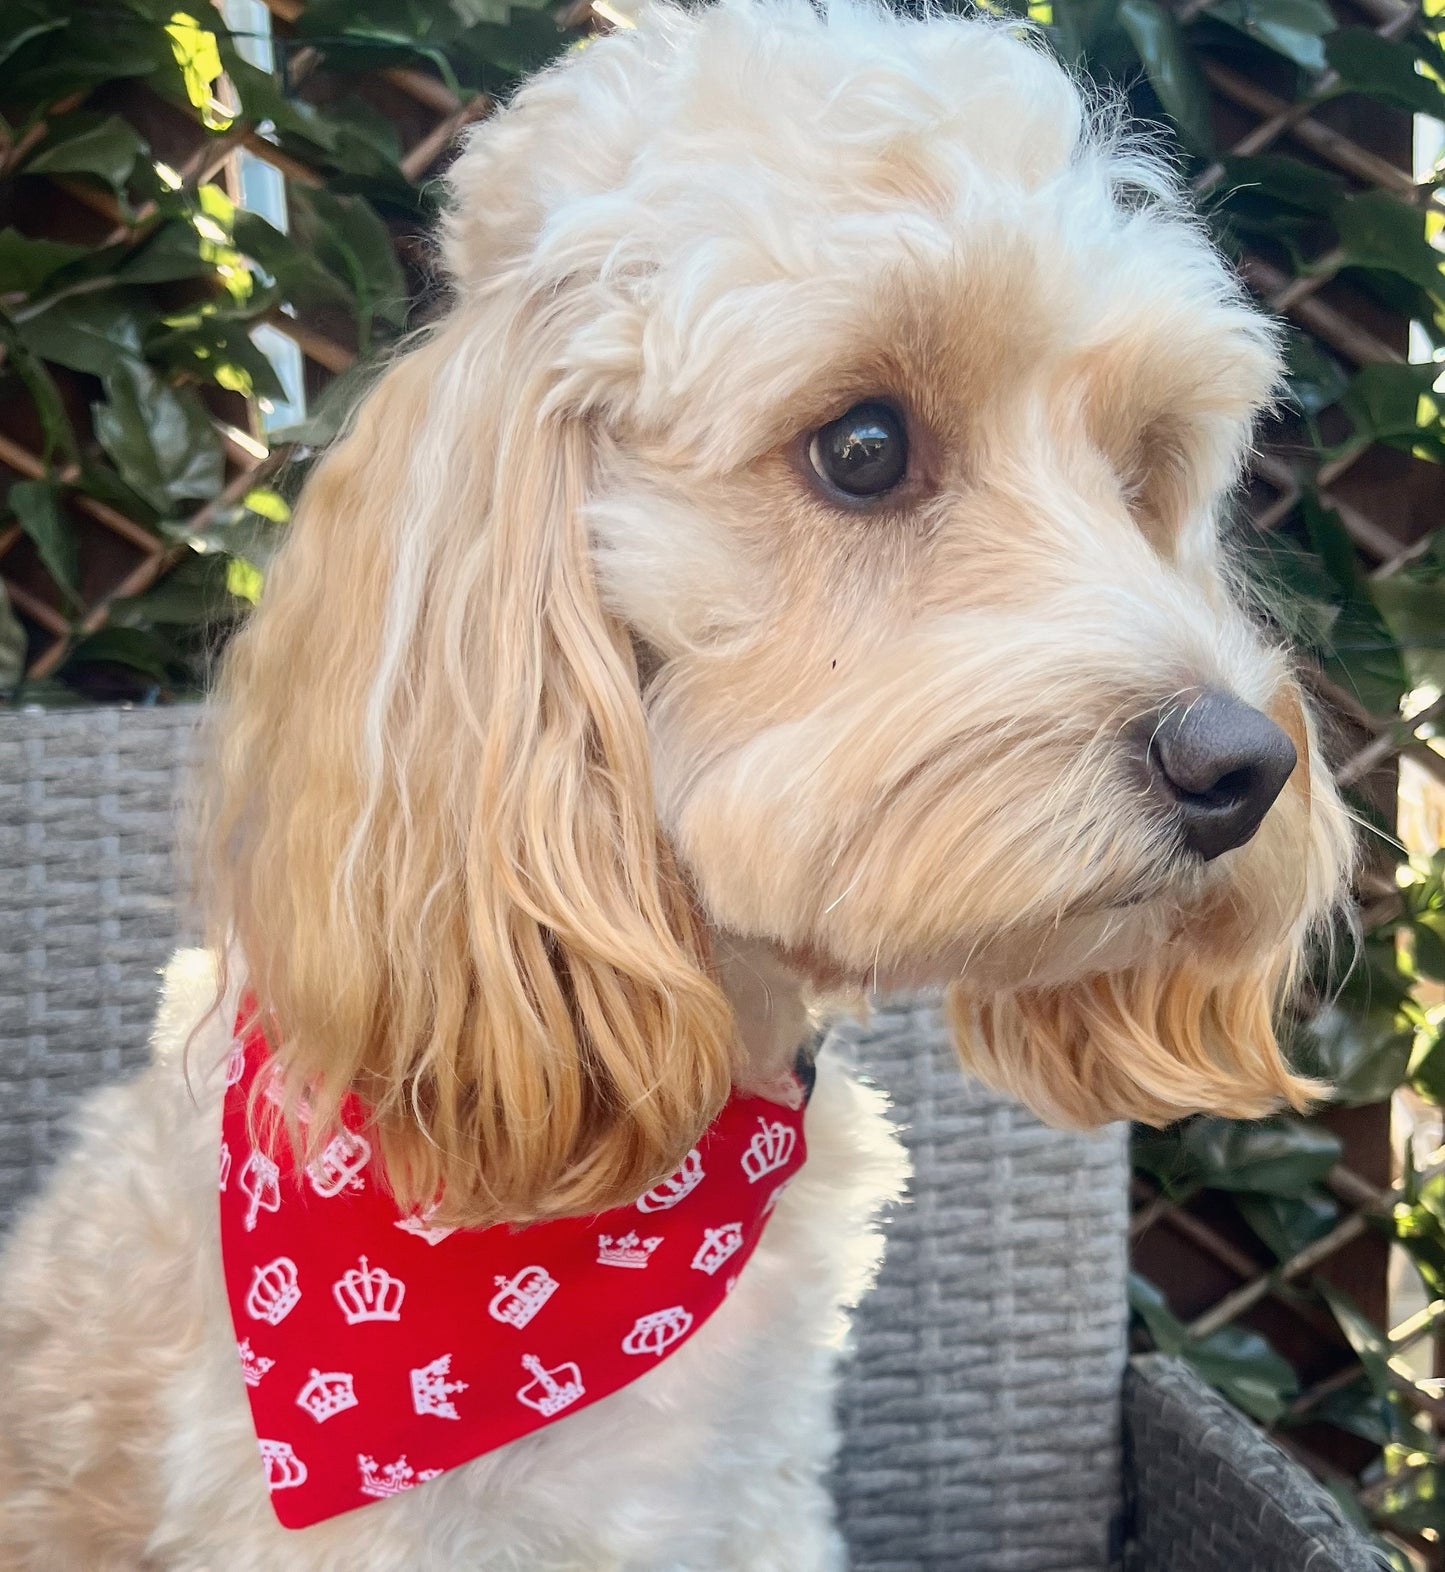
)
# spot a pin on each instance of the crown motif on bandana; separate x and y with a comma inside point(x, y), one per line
point(520, 1297)
point(390, 1479)
point(325, 1396)
point(261, 1180)
point(552, 1390)
point(718, 1245)
point(369, 1293)
point(675, 1188)
point(769, 1150)
point(253, 1365)
point(626, 1250)
point(420, 1224)
point(274, 1291)
point(284, 1470)
point(431, 1392)
point(657, 1332)
point(341, 1164)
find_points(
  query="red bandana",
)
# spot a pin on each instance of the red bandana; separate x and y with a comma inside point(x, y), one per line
point(379, 1351)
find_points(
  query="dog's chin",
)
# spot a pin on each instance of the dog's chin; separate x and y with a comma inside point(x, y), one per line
point(1085, 944)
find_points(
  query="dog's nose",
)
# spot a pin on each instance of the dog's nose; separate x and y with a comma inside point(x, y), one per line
point(1220, 764)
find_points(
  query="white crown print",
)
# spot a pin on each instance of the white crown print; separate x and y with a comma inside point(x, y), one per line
point(284, 1470)
point(235, 1063)
point(274, 1291)
point(391, 1478)
point(225, 1164)
point(769, 1149)
point(340, 1165)
point(261, 1180)
point(675, 1188)
point(628, 1250)
point(550, 1391)
point(657, 1332)
point(519, 1297)
point(718, 1245)
point(253, 1365)
point(327, 1394)
point(431, 1392)
point(420, 1224)
point(368, 1293)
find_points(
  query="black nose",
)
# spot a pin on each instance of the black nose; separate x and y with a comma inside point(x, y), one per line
point(1220, 765)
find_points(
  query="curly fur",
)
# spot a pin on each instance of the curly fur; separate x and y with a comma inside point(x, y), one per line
point(579, 735)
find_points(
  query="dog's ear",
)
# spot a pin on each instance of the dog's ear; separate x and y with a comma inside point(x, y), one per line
point(429, 829)
point(1194, 1029)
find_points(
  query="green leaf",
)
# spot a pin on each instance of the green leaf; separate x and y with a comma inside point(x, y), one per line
point(1414, 612)
point(194, 594)
point(159, 438)
point(1369, 1343)
point(136, 648)
point(86, 145)
point(91, 332)
point(1293, 28)
point(1249, 1372)
point(1281, 1156)
point(1362, 1053)
point(1384, 68)
point(25, 264)
point(1316, 379)
point(1288, 1223)
point(1172, 69)
point(1380, 231)
point(353, 244)
point(333, 409)
point(36, 506)
point(173, 252)
point(300, 277)
point(1239, 1363)
point(44, 395)
point(215, 347)
point(1286, 180)
point(12, 645)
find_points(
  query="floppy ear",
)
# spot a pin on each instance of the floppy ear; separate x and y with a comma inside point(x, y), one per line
point(1194, 1029)
point(429, 830)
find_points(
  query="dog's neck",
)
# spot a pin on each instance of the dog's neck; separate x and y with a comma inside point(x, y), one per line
point(768, 1000)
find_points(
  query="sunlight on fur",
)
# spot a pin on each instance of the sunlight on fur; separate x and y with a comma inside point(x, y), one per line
point(569, 666)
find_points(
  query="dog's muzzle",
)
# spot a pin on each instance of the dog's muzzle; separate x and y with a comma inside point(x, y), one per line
point(1217, 765)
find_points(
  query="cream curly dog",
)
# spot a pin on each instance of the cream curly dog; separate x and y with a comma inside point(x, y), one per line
point(790, 567)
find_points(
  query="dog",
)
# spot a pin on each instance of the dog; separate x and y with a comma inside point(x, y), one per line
point(790, 567)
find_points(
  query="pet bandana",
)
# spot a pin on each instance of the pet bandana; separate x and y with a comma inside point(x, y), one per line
point(378, 1350)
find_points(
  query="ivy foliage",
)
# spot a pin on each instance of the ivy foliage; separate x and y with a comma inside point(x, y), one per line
point(131, 288)
point(127, 352)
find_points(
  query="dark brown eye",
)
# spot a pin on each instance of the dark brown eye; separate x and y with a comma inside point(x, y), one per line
point(863, 453)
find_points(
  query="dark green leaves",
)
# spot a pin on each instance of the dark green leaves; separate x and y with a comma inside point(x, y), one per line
point(1173, 72)
point(159, 438)
point(1239, 1363)
point(1282, 1156)
point(105, 149)
point(36, 506)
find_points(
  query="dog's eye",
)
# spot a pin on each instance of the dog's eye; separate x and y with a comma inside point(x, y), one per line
point(863, 453)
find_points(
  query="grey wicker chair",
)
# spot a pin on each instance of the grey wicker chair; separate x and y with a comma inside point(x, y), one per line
point(984, 1407)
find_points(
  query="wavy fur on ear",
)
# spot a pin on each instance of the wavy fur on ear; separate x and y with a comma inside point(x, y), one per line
point(429, 828)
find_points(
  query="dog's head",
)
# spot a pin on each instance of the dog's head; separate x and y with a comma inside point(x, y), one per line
point(803, 524)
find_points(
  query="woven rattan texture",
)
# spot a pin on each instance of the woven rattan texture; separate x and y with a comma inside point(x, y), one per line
point(88, 914)
point(1211, 1494)
point(981, 1410)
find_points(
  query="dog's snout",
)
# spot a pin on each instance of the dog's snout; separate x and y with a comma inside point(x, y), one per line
point(1220, 764)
